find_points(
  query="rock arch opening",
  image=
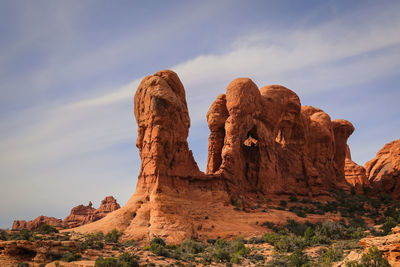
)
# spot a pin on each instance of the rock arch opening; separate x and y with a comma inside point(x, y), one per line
point(251, 155)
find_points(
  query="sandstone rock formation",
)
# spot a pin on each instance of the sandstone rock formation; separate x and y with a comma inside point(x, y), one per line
point(262, 143)
point(82, 214)
point(38, 251)
point(79, 215)
point(355, 174)
point(37, 223)
point(383, 171)
point(389, 245)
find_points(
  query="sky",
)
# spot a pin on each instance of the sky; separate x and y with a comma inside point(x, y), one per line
point(69, 71)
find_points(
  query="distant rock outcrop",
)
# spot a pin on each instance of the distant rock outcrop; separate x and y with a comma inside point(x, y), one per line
point(82, 214)
point(37, 223)
point(79, 215)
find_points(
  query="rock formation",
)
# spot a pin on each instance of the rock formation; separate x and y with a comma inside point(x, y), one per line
point(79, 215)
point(355, 174)
point(262, 143)
point(38, 251)
point(383, 171)
point(82, 214)
point(37, 223)
point(389, 245)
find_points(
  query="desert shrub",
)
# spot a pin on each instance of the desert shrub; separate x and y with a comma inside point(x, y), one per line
point(113, 236)
point(298, 259)
point(47, 229)
point(224, 251)
point(123, 260)
point(106, 262)
point(296, 227)
point(278, 261)
point(71, 256)
point(23, 264)
point(25, 234)
point(331, 255)
point(158, 240)
point(290, 243)
point(256, 240)
point(293, 198)
point(3, 235)
point(283, 203)
point(157, 246)
point(94, 241)
point(270, 225)
point(191, 247)
point(271, 238)
point(388, 225)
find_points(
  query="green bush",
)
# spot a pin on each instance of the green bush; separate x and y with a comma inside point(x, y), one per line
point(3, 235)
point(113, 236)
point(123, 260)
point(94, 241)
point(388, 225)
point(331, 255)
point(47, 229)
point(298, 259)
point(25, 234)
point(71, 256)
point(158, 240)
point(191, 247)
point(283, 203)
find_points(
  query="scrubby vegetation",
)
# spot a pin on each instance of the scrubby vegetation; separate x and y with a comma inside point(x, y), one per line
point(123, 260)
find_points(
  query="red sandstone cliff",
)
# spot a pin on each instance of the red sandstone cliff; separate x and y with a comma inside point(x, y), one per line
point(383, 171)
point(262, 143)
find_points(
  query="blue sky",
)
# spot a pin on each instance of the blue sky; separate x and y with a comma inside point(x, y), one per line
point(69, 70)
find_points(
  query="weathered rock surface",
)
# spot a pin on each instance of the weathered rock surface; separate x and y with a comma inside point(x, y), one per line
point(82, 214)
point(383, 171)
point(355, 174)
point(37, 223)
point(37, 251)
point(389, 245)
point(79, 215)
point(262, 144)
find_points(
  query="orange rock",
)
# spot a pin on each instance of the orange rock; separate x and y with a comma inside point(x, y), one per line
point(37, 223)
point(383, 171)
point(355, 174)
point(82, 214)
point(262, 144)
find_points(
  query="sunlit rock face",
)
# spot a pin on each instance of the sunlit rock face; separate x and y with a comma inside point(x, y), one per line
point(383, 172)
point(262, 145)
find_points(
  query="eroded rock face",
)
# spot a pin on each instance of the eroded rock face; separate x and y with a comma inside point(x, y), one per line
point(82, 214)
point(37, 223)
point(271, 145)
point(383, 171)
point(38, 251)
point(262, 144)
point(355, 174)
